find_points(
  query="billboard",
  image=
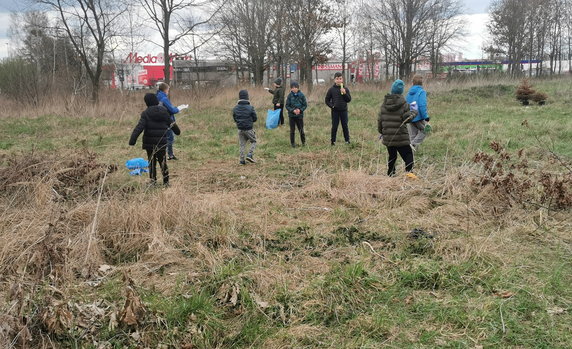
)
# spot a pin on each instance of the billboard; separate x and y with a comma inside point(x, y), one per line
point(144, 71)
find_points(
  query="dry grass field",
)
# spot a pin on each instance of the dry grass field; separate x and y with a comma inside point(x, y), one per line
point(311, 247)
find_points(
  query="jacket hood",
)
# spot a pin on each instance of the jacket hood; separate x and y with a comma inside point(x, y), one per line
point(393, 102)
point(243, 101)
point(414, 89)
point(156, 112)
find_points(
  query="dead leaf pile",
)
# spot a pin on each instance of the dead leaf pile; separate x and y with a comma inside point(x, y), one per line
point(133, 311)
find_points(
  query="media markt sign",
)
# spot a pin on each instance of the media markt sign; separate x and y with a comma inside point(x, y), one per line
point(159, 59)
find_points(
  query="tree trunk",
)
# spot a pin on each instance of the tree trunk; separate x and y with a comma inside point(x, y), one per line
point(308, 73)
point(344, 54)
point(167, 66)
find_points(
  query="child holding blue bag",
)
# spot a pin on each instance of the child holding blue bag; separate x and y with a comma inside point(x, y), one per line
point(296, 104)
point(155, 122)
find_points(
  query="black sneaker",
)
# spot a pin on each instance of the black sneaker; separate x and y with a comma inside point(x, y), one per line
point(347, 142)
point(333, 143)
point(172, 158)
point(250, 158)
point(293, 145)
point(243, 162)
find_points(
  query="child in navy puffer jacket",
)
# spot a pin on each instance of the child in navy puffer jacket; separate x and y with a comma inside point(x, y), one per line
point(245, 116)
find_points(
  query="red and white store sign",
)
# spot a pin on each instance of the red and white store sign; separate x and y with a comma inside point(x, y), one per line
point(330, 66)
point(148, 59)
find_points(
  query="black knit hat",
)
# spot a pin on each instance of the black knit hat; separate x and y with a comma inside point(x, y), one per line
point(294, 84)
point(278, 81)
point(151, 99)
point(243, 94)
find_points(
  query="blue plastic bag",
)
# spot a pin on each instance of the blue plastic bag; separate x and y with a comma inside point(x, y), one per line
point(273, 118)
point(137, 165)
point(138, 172)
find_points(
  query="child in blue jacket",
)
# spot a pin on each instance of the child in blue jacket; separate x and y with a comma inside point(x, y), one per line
point(162, 96)
point(417, 126)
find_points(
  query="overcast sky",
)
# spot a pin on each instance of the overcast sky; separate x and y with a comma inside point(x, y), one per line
point(470, 47)
point(476, 6)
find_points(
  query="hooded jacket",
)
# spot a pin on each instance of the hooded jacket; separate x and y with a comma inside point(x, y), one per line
point(296, 101)
point(391, 123)
point(336, 100)
point(164, 100)
point(154, 123)
point(244, 115)
point(417, 93)
point(278, 95)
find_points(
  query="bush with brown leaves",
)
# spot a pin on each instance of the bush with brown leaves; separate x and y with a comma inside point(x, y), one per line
point(517, 182)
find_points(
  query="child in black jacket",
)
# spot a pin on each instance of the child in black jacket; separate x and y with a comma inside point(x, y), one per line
point(337, 99)
point(155, 122)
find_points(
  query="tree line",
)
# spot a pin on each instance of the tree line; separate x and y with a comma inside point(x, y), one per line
point(67, 44)
point(531, 30)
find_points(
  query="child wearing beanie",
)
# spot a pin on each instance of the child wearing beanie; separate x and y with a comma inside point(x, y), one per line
point(244, 116)
point(296, 104)
point(395, 113)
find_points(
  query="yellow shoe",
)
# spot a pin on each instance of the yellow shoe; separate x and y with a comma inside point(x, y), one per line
point(411, 175)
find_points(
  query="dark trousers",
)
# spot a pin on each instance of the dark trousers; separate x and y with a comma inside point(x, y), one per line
point(158, 155)
point(281, 113)
point(297, 122)
point(406, 154)
point(337, 116)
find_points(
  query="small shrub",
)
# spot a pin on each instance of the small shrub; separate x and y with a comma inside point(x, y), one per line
point(524, 92)
point(540, 98)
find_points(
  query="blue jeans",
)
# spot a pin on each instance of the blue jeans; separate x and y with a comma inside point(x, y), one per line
point(170, 141)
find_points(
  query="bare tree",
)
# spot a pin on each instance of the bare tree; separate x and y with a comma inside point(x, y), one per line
point(90, 25)
point(171, 19)
point(129, 40)
point(229, 44)
point(446, 27)
point(568, 38)
point(312, 20)
point(371, 49)
point(508, 19)
point(345, 10)
point(49, 52)
point(409, 29)
point(246, 31)
point(280, 38)
point(533, 29)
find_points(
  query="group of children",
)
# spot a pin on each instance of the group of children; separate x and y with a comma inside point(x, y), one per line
point(402, 121)
point(159, 128)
